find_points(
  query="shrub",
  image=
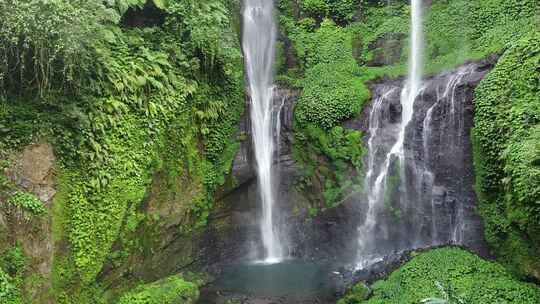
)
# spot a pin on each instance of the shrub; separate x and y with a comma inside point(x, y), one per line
point(506, 134)
point(451, 273)
point(315, 8)
point(9, 292)
point(331, 94)
point(172, 290)
point(28, 203)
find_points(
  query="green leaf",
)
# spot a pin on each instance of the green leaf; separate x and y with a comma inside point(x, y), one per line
point(161, 4)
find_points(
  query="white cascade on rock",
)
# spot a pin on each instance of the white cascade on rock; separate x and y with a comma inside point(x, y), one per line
point(377, 175)
point(258, 42)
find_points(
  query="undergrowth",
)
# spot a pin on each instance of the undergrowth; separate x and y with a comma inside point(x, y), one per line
point(450, 275)
point(108, 97)
point(507, 155)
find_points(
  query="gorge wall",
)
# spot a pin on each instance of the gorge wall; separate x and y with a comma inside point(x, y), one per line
point(331, 235)
point(126, 166)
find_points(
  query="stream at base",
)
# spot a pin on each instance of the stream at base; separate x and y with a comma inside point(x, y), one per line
point(286, 282)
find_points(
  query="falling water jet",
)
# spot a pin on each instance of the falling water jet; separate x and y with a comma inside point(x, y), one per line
point(258, 41)
point(376, 187)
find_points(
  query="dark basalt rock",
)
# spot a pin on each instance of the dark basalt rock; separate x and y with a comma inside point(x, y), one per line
point(439, 209)
point(387, 50)
point(232, 234)
point(332, 236)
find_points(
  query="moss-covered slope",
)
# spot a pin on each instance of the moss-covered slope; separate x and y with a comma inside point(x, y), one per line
point(124, 91)
point(507, 149)
point(332, 49)
point(448, 275)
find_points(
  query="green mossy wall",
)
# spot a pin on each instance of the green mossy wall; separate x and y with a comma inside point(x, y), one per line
point(447, 275)
point(507, 154)
point(143, 101)
point(333, 59)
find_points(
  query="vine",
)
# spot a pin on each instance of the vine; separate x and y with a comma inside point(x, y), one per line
point(506, 154)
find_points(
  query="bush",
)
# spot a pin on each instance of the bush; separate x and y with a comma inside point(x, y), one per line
point(506, 134)
point(452, 273)
point(52, 55)
point(342, 11)
point(14, 261)
point(172, 290)
point(356, 295)
point(331, 94)
point(9, 292)
point(315, 8)
point(28, 203)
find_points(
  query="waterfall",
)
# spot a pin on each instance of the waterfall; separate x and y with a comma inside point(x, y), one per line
point(258, 41)
point(377, 178)
point(453, 121)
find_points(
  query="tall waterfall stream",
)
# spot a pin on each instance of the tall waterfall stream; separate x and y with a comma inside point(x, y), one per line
point(417, 132)
point(259, 39)
point(377, 177)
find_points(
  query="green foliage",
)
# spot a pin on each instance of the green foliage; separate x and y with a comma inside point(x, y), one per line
point(315, 8)
point(208, 25)
point(357, 294)
point(9, 292)
point(506, 134)
point(455, 276)
point(123, 5)
point(449, 296)
point(333, 90)
point(5, 182)
point(173, 290)
point(331, 94)
point(19, 123)
point(117, 104)
point(12, 268)
point(379, 24)
point(331, 160)
point(329, 44)
point(50, 55)
point(28, 202)
point(455, 31)
point(462, 30)
point(341, 11)
point(14, 261)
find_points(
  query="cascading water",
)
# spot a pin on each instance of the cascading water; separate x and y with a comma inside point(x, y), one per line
point(451, 107)
point(258, 41)
point(454, 121)
point(377, 178)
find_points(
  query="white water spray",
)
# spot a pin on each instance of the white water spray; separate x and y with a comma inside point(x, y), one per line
point(258, 41)
point(376, 188)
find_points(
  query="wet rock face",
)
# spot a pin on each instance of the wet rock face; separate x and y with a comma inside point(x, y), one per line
point(435, 202)
point(243, 170)
point(32, 171)
point(233, 233)
point(440, 208)
point(439, 138)
point(387, 49)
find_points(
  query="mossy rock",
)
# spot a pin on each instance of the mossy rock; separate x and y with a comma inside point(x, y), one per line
point(452, 274)
point(358, 293)
point(173, 290)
